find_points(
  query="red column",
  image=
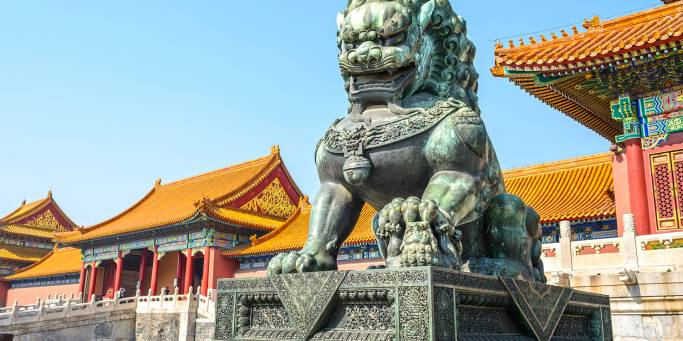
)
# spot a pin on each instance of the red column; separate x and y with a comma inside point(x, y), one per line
point(188, 271)
point(117, 276)
point(179, 271)
point(4, 287)
point(93, 279)
point(155, 272)
point(143, 267)
point(637, 188)
point(205, 271)
point(81, 282)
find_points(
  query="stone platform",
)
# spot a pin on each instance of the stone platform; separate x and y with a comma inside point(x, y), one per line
point(414, 304)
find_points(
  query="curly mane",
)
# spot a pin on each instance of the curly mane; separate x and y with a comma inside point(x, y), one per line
point(452, 73)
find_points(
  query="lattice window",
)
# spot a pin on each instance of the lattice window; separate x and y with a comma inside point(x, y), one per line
point(667, 179)
point(677, 159)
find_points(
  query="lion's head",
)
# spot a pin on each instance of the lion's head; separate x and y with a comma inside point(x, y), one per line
point(409, 53)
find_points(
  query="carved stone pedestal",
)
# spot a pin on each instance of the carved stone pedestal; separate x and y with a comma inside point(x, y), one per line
point(413, 304)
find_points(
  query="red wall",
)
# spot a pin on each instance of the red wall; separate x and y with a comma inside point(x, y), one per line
point(31, 295)
point(220, 267)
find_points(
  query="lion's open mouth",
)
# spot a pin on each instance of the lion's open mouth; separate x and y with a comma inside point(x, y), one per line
point(380, 86)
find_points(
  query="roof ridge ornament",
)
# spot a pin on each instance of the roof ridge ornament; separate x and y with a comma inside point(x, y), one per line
point(275, 149)
point(592, 24)
point(203, 204)
point(157, 183)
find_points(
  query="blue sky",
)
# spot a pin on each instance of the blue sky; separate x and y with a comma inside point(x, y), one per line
point(100, 98)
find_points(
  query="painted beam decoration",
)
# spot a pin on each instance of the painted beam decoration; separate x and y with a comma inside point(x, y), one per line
point(622, 110)
point(657, 116)
point(193, 240)
point(661, 115)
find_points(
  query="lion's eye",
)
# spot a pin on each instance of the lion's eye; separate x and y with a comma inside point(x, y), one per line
point(396, 39)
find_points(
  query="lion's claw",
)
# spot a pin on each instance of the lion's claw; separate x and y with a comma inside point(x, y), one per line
point(301, 261)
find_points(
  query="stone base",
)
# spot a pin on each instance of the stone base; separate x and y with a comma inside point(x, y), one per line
point(413, 304)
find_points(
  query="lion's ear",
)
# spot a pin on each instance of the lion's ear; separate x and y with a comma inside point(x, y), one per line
point(426, 13)
point(340, 21)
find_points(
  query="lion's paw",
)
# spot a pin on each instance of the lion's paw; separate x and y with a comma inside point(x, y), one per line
point(300, 261)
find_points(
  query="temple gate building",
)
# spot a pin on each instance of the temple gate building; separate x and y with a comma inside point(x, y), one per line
point(26, 236)
point(623, 79)
point(176, 234)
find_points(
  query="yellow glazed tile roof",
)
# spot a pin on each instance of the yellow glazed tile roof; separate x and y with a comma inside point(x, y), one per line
point(245, 218)
point(291, 235)
point(21, 253)
point(578, 188)
point(178, 201)
point(26, 211)
point(602, 43)
point(28, 230)
point(554, 69)
point(23, 209)
point(58, 262)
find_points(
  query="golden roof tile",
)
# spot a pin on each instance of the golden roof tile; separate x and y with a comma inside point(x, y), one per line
point(573, 189)
point(291, 235)
point(556, 70)
point(28, 230)
point(38, 213)
point(245, 218)
point(21, 253)
point(175, 202)
point(601, 43)
point(58, 262)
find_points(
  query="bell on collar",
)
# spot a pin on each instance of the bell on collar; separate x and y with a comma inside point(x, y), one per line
point(357, 169)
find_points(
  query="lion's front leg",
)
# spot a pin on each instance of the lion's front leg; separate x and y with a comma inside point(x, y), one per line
point(333, 215)
point(459, 201)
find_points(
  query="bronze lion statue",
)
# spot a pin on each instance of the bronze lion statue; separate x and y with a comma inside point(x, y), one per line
point(413, 145)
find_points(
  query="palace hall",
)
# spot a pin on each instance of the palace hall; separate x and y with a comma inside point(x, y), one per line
point(612, 223)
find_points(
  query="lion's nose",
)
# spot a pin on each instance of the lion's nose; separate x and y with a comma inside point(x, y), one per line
point(368, 52)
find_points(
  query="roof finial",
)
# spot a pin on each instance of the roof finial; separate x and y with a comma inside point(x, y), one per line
point(157, 183)
point(23, 202)
point(511, 43)
point(532, 40)
point(543, 38)
point(49, 194)
point(275, 149)
point(564, 33)
point(592, 24)
point(553, 35)
point(499, 45)
point(575, 30)
point(203, 204)
point(521, 41)
point(303, 200)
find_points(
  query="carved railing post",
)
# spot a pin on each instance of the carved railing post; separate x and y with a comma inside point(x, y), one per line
point(629, 243)
point(92, 304)
point(41, 308)
point(565, 246)
point(15, 310)
point(67, 306)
